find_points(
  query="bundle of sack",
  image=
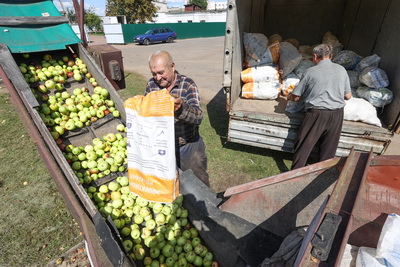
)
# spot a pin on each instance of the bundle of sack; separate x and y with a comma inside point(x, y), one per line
point(274, 67)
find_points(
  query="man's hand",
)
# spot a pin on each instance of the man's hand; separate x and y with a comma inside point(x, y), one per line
point(293, 97)
point(177, 102)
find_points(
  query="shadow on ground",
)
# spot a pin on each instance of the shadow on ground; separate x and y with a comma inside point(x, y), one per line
point(219, 120)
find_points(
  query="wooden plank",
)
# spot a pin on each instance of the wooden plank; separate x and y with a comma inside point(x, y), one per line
point(14, 74)
point(17, 21)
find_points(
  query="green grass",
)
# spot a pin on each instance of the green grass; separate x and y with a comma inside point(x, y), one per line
point(35, 225)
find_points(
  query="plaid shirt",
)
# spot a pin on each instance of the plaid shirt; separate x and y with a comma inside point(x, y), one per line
point(189, 116)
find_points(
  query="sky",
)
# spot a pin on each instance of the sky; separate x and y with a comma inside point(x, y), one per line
point(100, 5)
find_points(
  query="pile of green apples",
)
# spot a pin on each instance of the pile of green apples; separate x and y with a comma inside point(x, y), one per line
point(52, 72)
point(96, 160)
point(156, 234)
point(60, 110)
point(65, 112)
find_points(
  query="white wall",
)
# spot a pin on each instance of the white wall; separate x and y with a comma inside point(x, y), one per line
point(213, 5)
point(219, 16)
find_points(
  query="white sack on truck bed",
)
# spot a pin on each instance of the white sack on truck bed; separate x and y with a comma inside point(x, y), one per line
point(261, 90)
point(267, 73)
point(358, 109)
point(289, 58)
point(374, 77)
point(289, 83)
point(378, 97)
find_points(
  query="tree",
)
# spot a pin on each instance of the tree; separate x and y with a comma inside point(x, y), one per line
point(92, 21)
point(201, 3)
point(135, 11)
point(71, 16)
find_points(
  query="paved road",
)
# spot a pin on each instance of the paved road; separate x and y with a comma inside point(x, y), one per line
point(201, 59)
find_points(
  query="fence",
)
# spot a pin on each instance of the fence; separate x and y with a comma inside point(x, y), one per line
point(183, 30)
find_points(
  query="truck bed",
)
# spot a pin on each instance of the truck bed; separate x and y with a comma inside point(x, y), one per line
point(265, 123)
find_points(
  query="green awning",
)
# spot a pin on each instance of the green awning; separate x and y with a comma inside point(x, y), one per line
point(28, 8)
point(35, 37)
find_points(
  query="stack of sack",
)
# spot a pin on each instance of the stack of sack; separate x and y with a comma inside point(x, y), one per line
point(274, 66)
point(367, 80)
point(261, 77)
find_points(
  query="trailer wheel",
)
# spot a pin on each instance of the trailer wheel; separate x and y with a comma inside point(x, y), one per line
point(146, 41)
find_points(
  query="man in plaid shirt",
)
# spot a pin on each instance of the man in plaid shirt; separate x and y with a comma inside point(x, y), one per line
point(190, 148)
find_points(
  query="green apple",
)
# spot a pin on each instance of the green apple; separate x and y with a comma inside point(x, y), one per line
point(103, 188)
point(167, 250)
point(70, 125)
point(144, 211)
point(113, 186)
point(129, 202)
point(125, 190)
point(157, 207)
point(198, 261)
point(182, 262)
point(193, 232)
point(146, 232)
point(123, 181)
point(59, 129)
point(160, 219)
point(166, 210)
point(190, 256)
point(154, 252)
point(78, 77)
point(116, 114)
point(169, 262)
point(117, 203)
point(151, 241)
point(151, 224)
point(125, 231)
point(181, 241)
point(103, 165)
point(76, 166)
point(127, 244)
point(186, 234)
point(138, 219)
point(142, 202)
point(187, 247)
point(135, 233)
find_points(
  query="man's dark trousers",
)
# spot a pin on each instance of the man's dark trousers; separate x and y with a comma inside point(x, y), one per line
point(322, 127)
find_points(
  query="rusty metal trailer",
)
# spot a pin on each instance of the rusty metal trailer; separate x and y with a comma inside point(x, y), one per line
point(248, 222)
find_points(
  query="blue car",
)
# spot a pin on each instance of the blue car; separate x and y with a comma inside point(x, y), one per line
point(156, 35)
